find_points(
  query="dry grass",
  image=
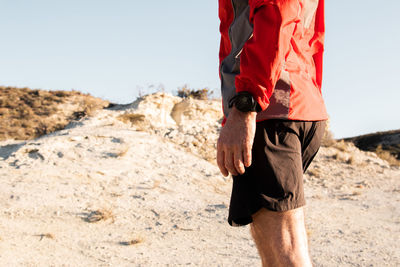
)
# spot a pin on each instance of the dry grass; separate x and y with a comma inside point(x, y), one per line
point(386, 155)
point(314, 172)
point(309, 233)
point(27, 114)
point(156, 183)
point(345, 155)
point(385, 144)
point(351, 160)
point(132, 118)
point(186, 92)
point(370, 142)
point(100, 215)
point(123, 152)
point(339, 156)
point(133, 241)
point(118, 154)
point(328, 139)
point(341, 146)
point(46, 235)
point(137, 120)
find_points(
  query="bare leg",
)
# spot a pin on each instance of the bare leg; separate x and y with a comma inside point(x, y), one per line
point(281, 238)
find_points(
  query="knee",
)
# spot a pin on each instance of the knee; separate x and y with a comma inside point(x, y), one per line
point(274, 238)
point(281, 233)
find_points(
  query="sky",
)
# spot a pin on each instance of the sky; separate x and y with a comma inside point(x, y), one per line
point(120, 49)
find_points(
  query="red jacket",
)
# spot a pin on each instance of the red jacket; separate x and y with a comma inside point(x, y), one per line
point(273, 49)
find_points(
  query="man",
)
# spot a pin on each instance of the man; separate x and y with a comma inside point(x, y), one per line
point(271, 73)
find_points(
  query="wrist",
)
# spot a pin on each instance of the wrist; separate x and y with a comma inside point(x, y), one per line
point(244, 101)
point(248, 115)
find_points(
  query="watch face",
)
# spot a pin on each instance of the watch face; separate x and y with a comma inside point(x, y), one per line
point(244, 103)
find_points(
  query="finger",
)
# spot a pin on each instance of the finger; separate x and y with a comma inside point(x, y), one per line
point(238, 161)
point(220, 161)
point(247, 155)
point(229, 162)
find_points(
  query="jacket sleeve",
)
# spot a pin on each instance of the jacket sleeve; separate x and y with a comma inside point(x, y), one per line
point(263, 55)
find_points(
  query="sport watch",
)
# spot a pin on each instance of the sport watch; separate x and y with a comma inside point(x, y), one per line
point(244, 102)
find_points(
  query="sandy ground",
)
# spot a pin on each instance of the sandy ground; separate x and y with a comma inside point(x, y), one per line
point(102, 194)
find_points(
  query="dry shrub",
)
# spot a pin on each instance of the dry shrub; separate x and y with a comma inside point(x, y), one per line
point(132, 118)
point(132, 242)
point(135, 241)
point(46, 235)
point(351, 160)
point(156, 183)
point(341, 146)
point(386, 155)
point(99, 215)
point(328, 139)
point(314, 172)
point(309, 233)
point(90, 104)
point(137, 120)
point(62, 94)
point(202, 94)
point(28, 114)
point(123, 152)
point(348, 157)
point(340, 156)
point(49, 235)
point(385, 144)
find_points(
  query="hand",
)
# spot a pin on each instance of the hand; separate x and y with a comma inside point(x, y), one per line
point(235, 142)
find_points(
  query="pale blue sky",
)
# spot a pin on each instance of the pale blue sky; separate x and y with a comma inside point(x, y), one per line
point(113, 49)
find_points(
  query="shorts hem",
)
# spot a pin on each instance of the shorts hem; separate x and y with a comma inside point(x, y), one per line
point(281, 207)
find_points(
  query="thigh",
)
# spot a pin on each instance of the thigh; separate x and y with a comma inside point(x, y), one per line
point(275, 178)
point(272, 220)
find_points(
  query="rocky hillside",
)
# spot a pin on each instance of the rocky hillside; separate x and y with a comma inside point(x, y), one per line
point(381, 142)
point(27, 114)
point(191, 123)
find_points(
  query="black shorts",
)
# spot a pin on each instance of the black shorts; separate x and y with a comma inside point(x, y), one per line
point(281, 153)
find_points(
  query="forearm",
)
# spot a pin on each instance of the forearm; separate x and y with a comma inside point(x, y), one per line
point(263, 56)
